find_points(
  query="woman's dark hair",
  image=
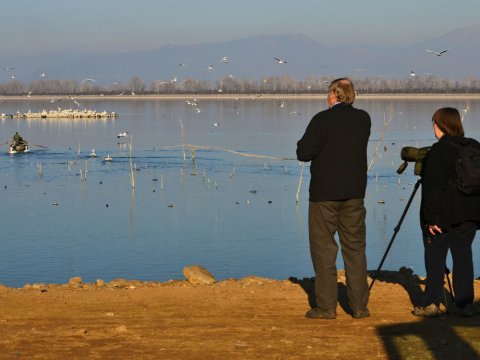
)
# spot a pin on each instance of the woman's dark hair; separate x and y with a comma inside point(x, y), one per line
point(448, 121)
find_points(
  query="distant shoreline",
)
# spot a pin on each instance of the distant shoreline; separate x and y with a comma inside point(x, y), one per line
point(248, 96)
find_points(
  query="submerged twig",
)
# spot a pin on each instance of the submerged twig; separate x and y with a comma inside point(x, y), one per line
point(380, 141)
point(297, 196)
point(132, 177)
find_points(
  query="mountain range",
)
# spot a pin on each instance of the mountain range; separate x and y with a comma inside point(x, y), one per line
point(254, 58)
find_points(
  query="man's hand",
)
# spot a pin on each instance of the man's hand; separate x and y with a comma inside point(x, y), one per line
point(434, 229)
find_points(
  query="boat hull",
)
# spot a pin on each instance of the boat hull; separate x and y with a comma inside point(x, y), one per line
point(18, 149)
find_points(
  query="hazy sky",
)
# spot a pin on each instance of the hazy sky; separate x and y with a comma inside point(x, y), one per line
point(121, 25)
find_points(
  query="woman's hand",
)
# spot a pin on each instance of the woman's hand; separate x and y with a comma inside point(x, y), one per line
point(434, 229)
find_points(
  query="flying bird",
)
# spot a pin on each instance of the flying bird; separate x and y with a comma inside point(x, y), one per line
point(438, 53)
point(85, 80)
point(280, 61)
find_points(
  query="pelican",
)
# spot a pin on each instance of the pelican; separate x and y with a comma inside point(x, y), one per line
point(438, 53)
point(280, 61)
point(42, 74)
point(92, 153)
point(225, 60)
point(122, 135)
point(412, 73)
point(216, 124)
point(107, 158)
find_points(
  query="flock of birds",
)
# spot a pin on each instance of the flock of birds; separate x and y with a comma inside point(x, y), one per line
point(224, 60)
point(109, 157)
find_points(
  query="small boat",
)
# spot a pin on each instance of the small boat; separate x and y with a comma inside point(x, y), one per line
point(18, 149)
point(107, 158)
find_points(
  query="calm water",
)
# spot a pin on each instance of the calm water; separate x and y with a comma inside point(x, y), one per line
point(233, 214)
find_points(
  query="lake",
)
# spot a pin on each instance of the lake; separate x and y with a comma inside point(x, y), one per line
point(230, 205)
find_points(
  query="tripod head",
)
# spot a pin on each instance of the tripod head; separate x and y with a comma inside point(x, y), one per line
point(413, 154)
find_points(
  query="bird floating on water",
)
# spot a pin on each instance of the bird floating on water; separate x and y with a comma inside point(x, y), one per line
point(92, 153)
point(107, 158)
point(122, 135)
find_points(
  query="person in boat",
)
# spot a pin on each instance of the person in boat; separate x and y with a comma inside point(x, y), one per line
point(18, 140)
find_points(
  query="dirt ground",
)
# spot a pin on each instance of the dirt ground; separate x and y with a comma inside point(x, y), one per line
point(249, 318)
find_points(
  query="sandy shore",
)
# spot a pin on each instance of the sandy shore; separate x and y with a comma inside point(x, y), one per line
point(250, 318)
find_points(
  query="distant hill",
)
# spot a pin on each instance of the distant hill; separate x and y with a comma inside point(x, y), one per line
point(253, 58)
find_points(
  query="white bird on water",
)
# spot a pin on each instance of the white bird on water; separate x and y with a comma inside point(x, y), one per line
point(280, 61)
point(438, 53)
point(122, 135)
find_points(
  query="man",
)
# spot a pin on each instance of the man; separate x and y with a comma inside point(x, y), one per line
point(335, 141)
point(16, 139)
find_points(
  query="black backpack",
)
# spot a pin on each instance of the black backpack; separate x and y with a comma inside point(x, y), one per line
point(467, 167)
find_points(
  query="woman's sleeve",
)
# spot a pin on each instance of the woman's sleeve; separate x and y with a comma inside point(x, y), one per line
point(433, 183)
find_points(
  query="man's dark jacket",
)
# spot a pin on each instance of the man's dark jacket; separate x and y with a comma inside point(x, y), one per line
point(442, 204)
point(335, 141)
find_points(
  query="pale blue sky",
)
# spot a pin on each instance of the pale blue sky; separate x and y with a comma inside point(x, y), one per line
point(33, 26)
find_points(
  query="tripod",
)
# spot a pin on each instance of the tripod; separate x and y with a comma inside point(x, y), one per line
point(395, 232)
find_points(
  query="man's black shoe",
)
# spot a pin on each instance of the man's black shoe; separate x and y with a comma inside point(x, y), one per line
point(317, 313)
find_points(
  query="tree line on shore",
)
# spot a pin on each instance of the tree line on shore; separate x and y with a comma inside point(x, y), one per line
point(232, 85)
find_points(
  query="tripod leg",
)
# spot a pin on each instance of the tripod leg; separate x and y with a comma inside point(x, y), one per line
point(396, 230)
point(447, 273)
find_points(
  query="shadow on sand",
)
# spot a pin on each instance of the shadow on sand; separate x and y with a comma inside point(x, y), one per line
point(447, 337)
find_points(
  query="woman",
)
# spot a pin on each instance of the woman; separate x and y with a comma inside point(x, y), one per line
point(449, 220)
